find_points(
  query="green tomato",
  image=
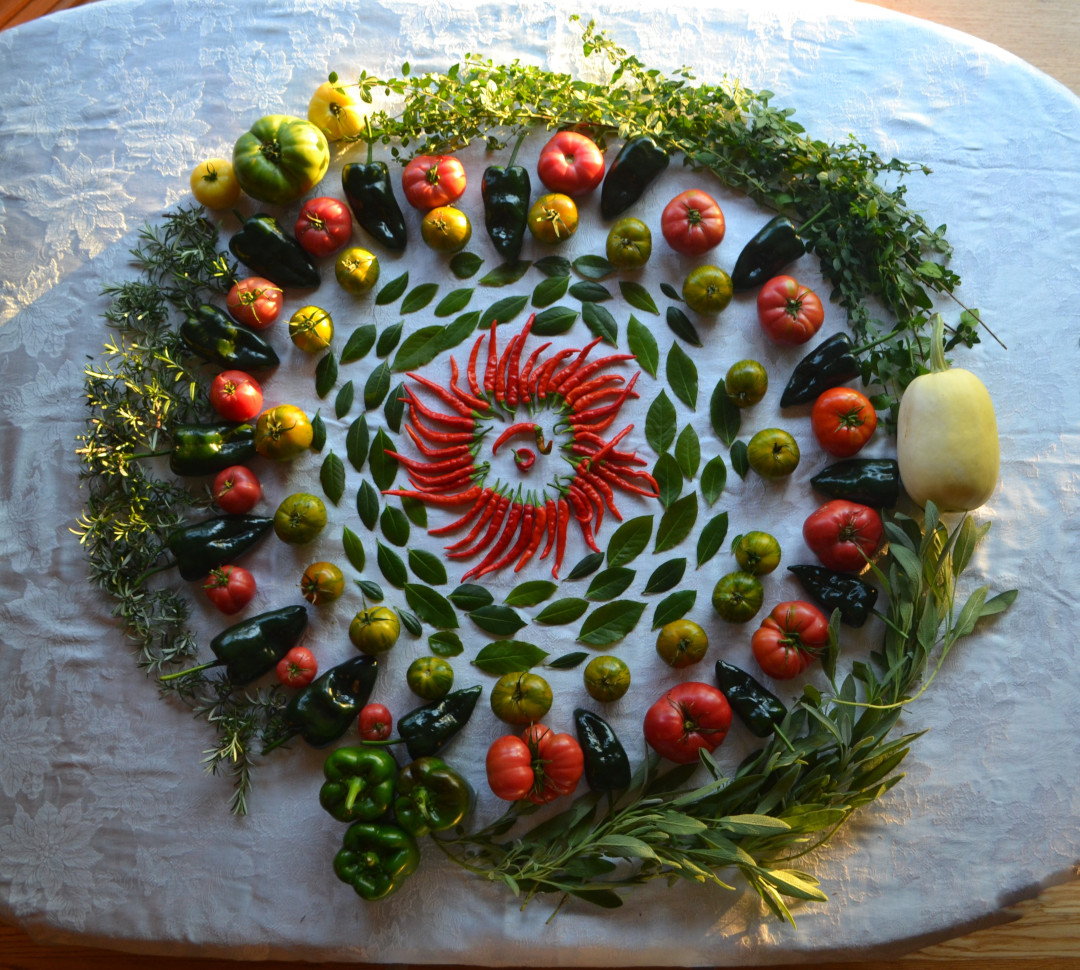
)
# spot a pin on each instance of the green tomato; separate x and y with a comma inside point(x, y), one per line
point(773, 453)
point(280, 158)
point(520, 698)
point(737, 597)
point(629, 244)
point(430, 677)
point(300, 518)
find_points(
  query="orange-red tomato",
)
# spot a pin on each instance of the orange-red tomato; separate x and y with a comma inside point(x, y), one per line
point(843, 420)
point(790, 638)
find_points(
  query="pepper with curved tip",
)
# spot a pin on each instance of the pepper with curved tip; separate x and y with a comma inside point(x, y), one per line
point(607, 767)
point(431, 796)
point(829, 364)
point(867, 481)
point(359, 784)
point(776, 245)
point(206, 449)
point(269, 251)
point(376, 859)
point(210, 333)
point(370, 193)
point(853, 597)
point(427, 729)
point(758, 708)
point(506, 191)
point(202, 547)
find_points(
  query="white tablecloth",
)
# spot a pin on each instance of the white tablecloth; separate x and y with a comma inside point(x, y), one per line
point(109, 830)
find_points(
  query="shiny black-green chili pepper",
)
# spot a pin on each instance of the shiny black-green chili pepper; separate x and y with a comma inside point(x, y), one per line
point(370, 194)
point(206, 449)
point(203, 546)
point(757, 707)
point(210, 333)
point(776, 245)
point(639, 162)
point(607, 767)
point(428, 729)
point(853, 597)
point(268, 250)
point(867, 481)
point(829, 364)
point(506, 191)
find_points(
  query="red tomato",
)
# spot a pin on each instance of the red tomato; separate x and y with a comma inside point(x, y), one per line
point(843, 420)
point(430, 181)
point(375, 722)
point(255, 302)
point(236, 396)
point(509, 768)
point(571, 163)
point(323, 226)
point(789, 312)
point(789, 639)
point(539, 766)
point(690, 716)
point(236, 489)
point(692, 223)
point(297, 668)
point(230, 588)
point(844, 535)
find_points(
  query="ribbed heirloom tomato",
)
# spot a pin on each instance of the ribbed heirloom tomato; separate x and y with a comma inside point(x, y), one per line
point(322, 582)
point(843, 420)
point(430, 181)
point(520, 697)
point(571, 163)
point(300, 518)
point(692, 223)
point(790, 638)
point(844, 535)
point(685, 719)
point(553, 218)
point(540, 765)
point(789, 312)
point(283, 432)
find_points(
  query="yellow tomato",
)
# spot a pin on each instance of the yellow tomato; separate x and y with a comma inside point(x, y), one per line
point(335, 112)
point(357, 270)
point(214, 184)
point(311, 329)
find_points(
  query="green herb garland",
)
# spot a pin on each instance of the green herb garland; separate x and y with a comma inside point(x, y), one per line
point(834, 752)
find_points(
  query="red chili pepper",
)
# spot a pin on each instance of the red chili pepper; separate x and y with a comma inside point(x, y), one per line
point(513, 520)
point(528, 514)
point(593, 400)
point(453, 420)
point(513, 372)
point(470, 371)
point(447, 481)
point(491, 504)
point(462, 395)
point(609, 473)
point(492, 360)
point(568, 371)
point(596, 500)
point(589, 369)
point(524, 458)
point(444, 394)
point(474, 510)
point(594, 384)
point(520, 428)
point(459, 498)
point(551, 519)
point(440, 437)
point(585, 417)
point(526, 373)
point(585, 438)
point(539, 520)
point(500, 370)
point(427, 468)
point(583, 513)
point(543, 384)
point(609, 447)
point(428, 452)
point(604, 488)
point(562, 518)
point(494, 525)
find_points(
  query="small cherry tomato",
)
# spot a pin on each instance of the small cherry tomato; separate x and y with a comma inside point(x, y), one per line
point(790, 638)
point(446, 229)
point(323, 226)
point(681, 643)
point(692, 223)
point(707, 289)
point(629, 244)
point(789, 312)
point(843, 420)
point(255, 302)
point(430, 181)
point(283, 432)
point(685, 719)
point(214, 184)
point(297, 668)
point(553, 218)
point(321, 583)
point(571, 163)
point(773, 453)
point(607, 678)
point(311, 329)
point(230, 588)
point(375, 722)
point(746, 382)
point(236, 490)
point(737, 597)
point(356, 270)
point(430, 677)
point(236, 396)
point(844, 535)
point(756, 552)
point(300, 518)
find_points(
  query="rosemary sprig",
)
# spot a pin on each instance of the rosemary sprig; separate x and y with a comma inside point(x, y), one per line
point(833, 754)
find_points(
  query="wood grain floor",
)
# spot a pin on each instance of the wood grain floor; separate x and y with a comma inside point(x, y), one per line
point(1039, 934)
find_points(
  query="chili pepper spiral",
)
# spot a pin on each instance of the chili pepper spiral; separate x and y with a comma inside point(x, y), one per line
point(508, 528)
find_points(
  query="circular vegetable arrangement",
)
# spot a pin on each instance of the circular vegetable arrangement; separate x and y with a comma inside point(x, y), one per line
point(523, 451)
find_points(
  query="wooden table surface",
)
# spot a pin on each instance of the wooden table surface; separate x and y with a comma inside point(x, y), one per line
point(1042, 933)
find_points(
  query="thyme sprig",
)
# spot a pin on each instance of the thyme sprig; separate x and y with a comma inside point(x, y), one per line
point(834, 753)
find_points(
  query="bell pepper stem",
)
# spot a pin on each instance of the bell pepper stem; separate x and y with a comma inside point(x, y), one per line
point(356, 785)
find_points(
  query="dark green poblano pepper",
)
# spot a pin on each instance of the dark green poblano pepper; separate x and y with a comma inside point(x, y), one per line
point(607, 767)
point(206, 449)
point(853, 597)
point(639, 162)
point(867, 481)
point(757, 707)
point(203, 546)
point(268, 250)
point(506, 190)
point(776, 245)
point(829, 364)
point(210, 333)
point(427, 729)
point(370, 194)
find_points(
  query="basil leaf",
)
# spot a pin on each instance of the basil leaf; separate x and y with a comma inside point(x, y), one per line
point(445, 643)
point(550, 290)
point(419, 297)
point(600, 322)
point(419, 348)
point(562, 611)
point(554, 321)
point(740, 458)
point(503, 310)
point(454, 302)
point(431, 606)
point(508, 657)
point(643, 346)
point(470, 596)
point(389, 338)
point(724, 416)
point(680, 325)
point(713, 479)
point(637, 296)
point(629, 540)
point(383, 468)
point(593, 267)
point(332, 477)
point(586, 566)
point(354, 549)
point(669, 479)
point(711, 538)
point(392, 290)
point(497, 620)
point(318, 432)
point(367, 504)
point(673, 607)
point(610, 583)
point(391, 565)
point(676, 522)
point(394, 525)
point(395, 408)
point(530, 593)
point(688, 452)
point(356, 443)
point(666, 576)
point(610, 623)
point(427, 567)
point(326, 372)
point(660, 423)
point(553, 266)
point(506, 273)
point(568, 661)
point(682, 376)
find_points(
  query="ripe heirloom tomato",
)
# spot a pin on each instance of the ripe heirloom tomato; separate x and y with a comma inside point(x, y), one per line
point(541, 765)
point(255, 302)
point(311, 328)
point(790, 638)
point(323, 226)
point(430, 181)
point(335, 111)
point(230, 588)
point(214, 184)
point(236, 490)
point(681, 643)
point(685, 719)
point(789, 312)
point(843, 420)
point(430, 677)
point(280, 159)
point(283, 432)
point(446, 229)
point(737, 597)
point(356, 270)
point(707, 289)
point(844, 535)
point(553, 218)
point(375, 722)
point(746, 382)
point(236, 396)
point(321, 583)
point(300, 518)
point(607, 678)
point(692, 223)
point(756, 552)
point(520, 697)
point(297, 668)
point(375, 629)
point(571, 163)
point(773, 453)
point(629, 244)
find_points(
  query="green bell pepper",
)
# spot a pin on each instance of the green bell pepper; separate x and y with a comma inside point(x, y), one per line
point(280, 158)
point(638, 163)
point(203, 546)
point(210, 333)
point(376, 859)
point(370, 194)
point(268, 250)
point(206, 449)
point(359, 783)
point(427, 729)
point(431, 796)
